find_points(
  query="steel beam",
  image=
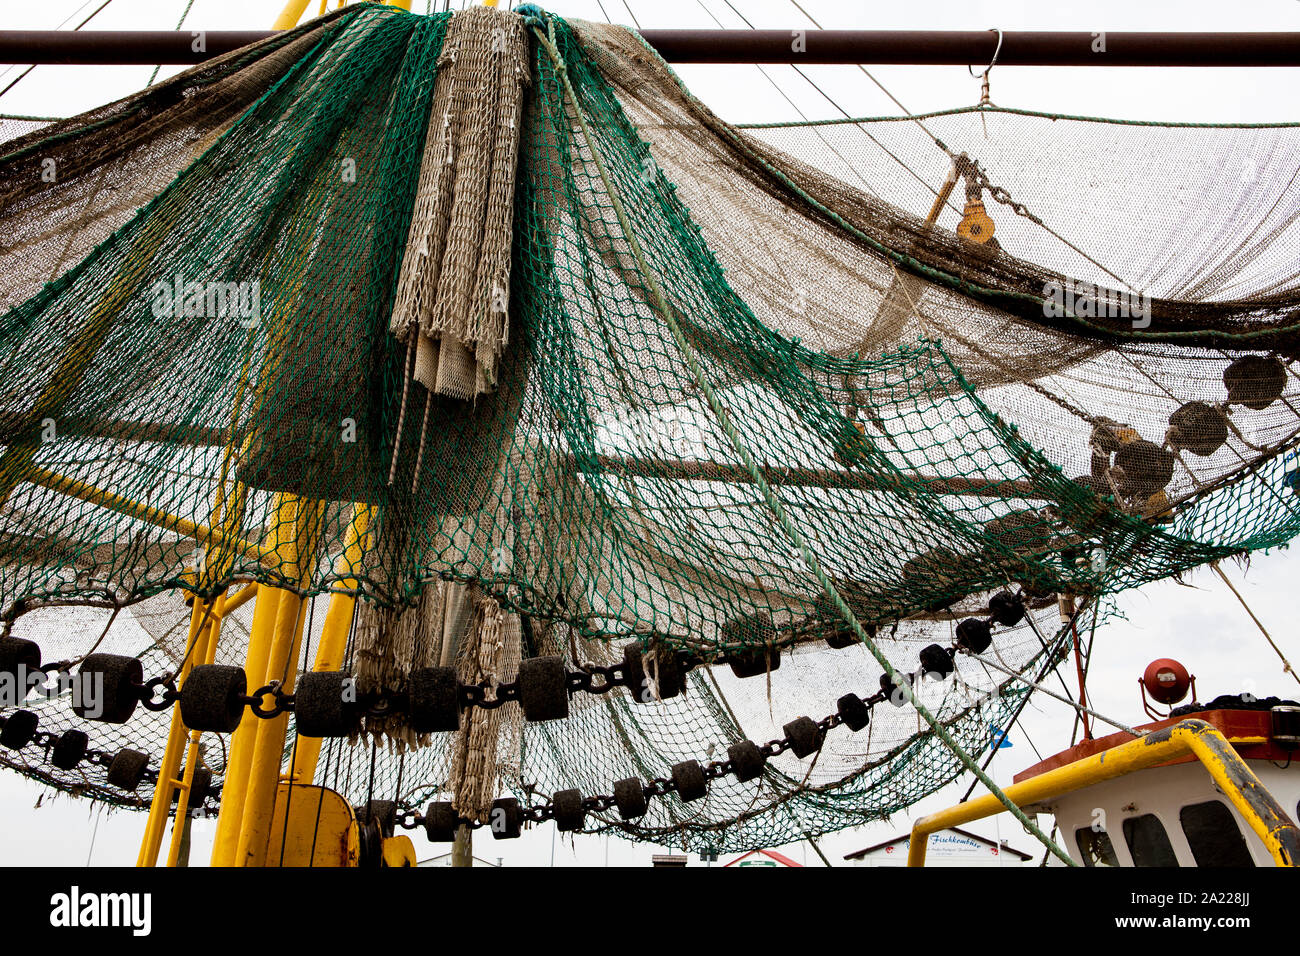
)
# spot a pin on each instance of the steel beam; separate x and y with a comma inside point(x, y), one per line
point(917, 47)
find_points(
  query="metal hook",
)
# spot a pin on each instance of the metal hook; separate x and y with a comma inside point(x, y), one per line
point(985, 100)
point(996, 51)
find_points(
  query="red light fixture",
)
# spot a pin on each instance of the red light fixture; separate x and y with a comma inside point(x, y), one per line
point(1165, 681)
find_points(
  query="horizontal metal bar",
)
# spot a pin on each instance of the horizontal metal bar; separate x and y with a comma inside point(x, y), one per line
point(918, 47)
point(976, 47)
point(121, 47)
point(830, 478)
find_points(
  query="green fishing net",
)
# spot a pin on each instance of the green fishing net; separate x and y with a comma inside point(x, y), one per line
point(199, 372)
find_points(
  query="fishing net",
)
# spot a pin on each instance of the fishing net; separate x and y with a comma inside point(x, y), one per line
point(968, 352)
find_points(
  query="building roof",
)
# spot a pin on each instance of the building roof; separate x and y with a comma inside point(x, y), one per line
point(780, 858)
point(478, 860)
point(903, 838)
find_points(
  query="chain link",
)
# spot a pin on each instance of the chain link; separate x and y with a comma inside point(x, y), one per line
point(976, 174)
point(589, 678)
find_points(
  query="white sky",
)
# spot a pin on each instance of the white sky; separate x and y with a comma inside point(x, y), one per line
point(1202, 625)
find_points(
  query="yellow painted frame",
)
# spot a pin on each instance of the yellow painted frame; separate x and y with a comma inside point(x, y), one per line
point(1192, 737)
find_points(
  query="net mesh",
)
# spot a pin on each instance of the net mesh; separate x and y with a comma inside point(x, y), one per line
point(201, 389)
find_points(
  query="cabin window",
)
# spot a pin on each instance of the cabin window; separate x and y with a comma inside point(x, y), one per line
point(1147, 841)
point(1095, 848)
point(1213, 835)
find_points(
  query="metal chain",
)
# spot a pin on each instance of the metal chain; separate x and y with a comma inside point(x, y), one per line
point(975, 173)
point(47, 740)
point(411, 818)
point(588, 678)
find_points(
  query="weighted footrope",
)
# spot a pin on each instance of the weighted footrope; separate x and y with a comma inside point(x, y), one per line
point(1006, 609)
point(841, 638)
point(117, 683)
point(69, 749)
point(19, 729)
point(658, 669)
point(568, 811)
point(841, 635)
point(897, 694)
point(212, 698)
point(127, 769)
point(441, 822)
point(505, 819)
point(1256, 381)
point(688, 776)
point(321, 706)
point(974, 635)
point(1199, 428)
point(543, 689)
point(629, 798)
point(434, 700)
point(1142, 468)
point(747, 760)
point(753, 661)
point(854, 711)
point(936, 661)
point(804, 735)
point(17, 654)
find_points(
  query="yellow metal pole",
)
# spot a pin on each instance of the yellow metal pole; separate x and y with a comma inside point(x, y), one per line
point(1196, 737)
point(196, 648)
point(201, 648)
point(268, 743)
point(265, 612)
point(180, 829)
point(93, 494)
point(334, 633)
point(290, 15)
point(239, 598)
point(249, 790)
point(268, 747)
point(283, 552)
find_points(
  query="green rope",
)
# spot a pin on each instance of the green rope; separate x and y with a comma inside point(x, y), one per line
point(179, 23)
point(773, 503)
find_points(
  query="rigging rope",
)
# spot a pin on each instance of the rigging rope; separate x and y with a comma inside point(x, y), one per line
point(1038, 686)
point(1286, 664)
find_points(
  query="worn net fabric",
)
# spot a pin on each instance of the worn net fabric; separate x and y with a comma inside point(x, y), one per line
point(13, 127)
point(918, 413)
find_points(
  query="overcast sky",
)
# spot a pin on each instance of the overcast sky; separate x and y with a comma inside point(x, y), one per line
point(1202, 625)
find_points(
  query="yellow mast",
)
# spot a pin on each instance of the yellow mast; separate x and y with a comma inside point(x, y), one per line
point(257, 746)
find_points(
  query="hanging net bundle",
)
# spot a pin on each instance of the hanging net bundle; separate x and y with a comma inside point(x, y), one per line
point(483, 321)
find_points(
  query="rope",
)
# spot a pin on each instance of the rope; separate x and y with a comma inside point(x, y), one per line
point(1065, 700)
point(1049, 662)
point(1286, 664)
point(825, 142)
point(179, 23)
point(18, 79)
point(773, 503)
point(897, 102)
